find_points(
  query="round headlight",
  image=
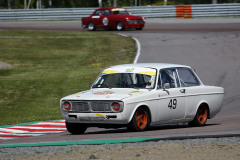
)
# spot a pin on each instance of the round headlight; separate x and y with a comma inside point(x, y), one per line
point(115, 106)
point(66, 106)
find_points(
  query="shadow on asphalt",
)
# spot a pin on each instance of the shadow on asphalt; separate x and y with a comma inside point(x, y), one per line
point(152, 128)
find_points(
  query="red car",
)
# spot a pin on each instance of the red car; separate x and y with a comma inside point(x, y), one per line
point(112, 18)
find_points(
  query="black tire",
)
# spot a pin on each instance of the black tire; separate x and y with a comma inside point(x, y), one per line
point(201, 116)
point(76, 128)
point(119, 26)
point(139, 28)
point(140, 120)
point(91, 26)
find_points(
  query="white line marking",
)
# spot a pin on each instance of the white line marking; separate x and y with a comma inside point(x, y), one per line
point(12, 130)
point(138, 50)
point(138, 47)
point(46, 128)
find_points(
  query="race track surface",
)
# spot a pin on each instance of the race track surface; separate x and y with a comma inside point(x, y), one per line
point(211, 46)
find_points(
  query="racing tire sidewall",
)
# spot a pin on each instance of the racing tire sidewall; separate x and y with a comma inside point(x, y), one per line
point(91, 26)
point(76, 128)
point(120, 26)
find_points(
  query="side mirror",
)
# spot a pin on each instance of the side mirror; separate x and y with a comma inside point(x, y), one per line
point(166, 86)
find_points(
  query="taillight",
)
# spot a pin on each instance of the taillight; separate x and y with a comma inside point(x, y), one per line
point(66, 106)
point(116, 106)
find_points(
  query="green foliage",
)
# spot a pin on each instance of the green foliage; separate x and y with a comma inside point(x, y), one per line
point(47, 66)
point(19, 4)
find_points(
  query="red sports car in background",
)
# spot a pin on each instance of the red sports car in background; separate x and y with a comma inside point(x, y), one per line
point(112, 18)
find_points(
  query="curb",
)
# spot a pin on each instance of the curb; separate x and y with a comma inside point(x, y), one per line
point(116, 141)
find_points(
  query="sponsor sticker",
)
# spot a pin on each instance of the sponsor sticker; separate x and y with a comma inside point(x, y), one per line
point(103, 93)
point(95, 16)
point(132, 92)
point(105, 21)
point(80, 93)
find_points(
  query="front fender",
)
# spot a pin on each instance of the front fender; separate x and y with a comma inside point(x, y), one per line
point(131, 109)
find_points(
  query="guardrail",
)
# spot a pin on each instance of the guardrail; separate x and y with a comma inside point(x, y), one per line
point(169, 11)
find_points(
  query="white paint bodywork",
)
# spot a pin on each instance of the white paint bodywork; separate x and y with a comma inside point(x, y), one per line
point(156, 100)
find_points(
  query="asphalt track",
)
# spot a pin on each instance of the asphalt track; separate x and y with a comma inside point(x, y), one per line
point(211, 46)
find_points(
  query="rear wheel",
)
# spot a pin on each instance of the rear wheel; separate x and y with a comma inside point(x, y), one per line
point(201, 116)
point(119, 26)
point(76, 128)
point(140, 120)
point(91, 26)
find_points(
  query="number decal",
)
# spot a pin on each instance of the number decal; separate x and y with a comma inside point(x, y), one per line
point(172, 104)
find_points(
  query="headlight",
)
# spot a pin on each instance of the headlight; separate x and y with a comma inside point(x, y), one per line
point(117, 106)
point(66, 106)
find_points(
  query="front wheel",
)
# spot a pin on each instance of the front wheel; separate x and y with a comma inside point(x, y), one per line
point(91, 26)
point(76, 128)
point(140, 120)
point(119, 26)
point(201, 116)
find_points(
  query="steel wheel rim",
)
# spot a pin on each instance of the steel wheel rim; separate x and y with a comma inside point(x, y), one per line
point(202, 114)
point(141, 118)
point(119, 26)
point(90, 26)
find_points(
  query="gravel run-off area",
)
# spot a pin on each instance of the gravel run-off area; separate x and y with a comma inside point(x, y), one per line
point(197, 149)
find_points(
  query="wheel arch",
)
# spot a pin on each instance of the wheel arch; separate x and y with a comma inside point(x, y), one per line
point(208, 109)
point(145, 107)
point(206, 104)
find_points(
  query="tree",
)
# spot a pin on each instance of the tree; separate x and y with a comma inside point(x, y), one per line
point(9, 4)
point(114, 3)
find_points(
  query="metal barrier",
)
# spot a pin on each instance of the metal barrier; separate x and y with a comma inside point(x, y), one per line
point(169, 11)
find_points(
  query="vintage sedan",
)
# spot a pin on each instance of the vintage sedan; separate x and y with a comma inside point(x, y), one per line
point(112, 18)
point(137, 96)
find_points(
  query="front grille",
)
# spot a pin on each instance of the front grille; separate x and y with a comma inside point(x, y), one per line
point(101, 106)
point(80, 106)
point(91, 106)
point(139, 21)
point(133, 21)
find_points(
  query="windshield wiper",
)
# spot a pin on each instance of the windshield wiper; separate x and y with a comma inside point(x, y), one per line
point(101, 86)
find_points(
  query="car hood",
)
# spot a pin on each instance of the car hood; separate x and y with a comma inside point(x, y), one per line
point(105, 94)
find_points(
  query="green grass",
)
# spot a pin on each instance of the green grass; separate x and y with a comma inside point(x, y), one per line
point(48, 65)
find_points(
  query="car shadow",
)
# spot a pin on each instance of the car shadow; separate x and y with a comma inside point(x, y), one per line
point(152, 128)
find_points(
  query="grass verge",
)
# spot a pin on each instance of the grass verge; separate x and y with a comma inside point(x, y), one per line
point(48, 65)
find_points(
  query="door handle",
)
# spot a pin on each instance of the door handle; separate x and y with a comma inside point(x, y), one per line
point(183, 90)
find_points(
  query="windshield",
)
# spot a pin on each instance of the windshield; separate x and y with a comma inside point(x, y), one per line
point(145, 80)
point(119, 11)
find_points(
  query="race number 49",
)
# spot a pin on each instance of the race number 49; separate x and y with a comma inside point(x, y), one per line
point(172, 104)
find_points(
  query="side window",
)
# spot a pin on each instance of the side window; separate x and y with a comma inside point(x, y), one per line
point(106, 12)
point(169, 76)
point(187, 78)
point(98, 12)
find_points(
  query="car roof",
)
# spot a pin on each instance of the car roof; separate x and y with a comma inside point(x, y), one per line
point(109, 8)
point(152, 65)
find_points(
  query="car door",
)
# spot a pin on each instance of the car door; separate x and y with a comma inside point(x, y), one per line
point(172, 99)
point(96, 18)
point(105, 18)
point(191, 84)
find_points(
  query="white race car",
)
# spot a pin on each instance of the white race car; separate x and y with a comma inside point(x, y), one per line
point(137, 96)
